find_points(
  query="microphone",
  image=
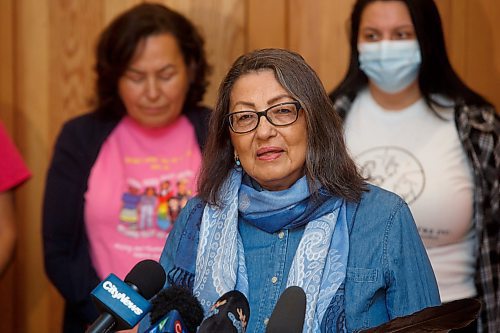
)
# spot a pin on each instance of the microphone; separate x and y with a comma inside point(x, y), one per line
point(229, 314)
point(124, 304)
point(175, 310)
point(289, 313)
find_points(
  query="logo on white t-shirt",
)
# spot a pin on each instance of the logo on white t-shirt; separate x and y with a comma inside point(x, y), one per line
point(394, 169)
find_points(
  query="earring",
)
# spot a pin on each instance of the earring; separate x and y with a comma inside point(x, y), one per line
point(237, 160)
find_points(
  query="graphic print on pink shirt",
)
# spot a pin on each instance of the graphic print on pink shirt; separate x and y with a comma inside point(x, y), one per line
point(152, 208)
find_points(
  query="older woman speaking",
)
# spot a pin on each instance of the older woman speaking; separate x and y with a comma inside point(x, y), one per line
point(281, 204)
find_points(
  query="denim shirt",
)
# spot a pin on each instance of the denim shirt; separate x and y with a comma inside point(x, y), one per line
point(388, 275)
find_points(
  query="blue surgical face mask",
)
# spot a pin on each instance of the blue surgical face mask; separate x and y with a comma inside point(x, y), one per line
point(390, 65)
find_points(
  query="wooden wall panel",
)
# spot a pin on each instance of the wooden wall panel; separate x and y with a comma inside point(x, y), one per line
point(6, 63)
point(318, 31)
point(267, 24)
point(47, 77)
point(482, 49)
point(112, 8)
point(32, 95)
point(452, 14)
point(74, 27)
point(473, 43)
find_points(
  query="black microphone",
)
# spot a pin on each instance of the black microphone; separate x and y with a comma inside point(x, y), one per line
point(124, 304)
point(175, 310)
point(289, 313)
point(229, 314)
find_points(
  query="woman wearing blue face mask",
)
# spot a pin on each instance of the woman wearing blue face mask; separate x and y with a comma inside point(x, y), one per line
point(415, 128)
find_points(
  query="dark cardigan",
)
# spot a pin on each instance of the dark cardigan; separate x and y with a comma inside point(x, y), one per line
point(66, 250)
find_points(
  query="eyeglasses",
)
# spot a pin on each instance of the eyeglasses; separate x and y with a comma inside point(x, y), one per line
point(282, 114)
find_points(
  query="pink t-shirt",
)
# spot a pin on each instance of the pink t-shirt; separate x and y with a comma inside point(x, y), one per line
point(139, 182)
point(13, 171)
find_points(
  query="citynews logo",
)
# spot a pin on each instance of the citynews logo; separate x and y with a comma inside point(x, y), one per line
point(124, 299)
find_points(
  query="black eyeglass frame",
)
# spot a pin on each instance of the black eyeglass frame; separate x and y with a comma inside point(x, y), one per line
point(264, 113)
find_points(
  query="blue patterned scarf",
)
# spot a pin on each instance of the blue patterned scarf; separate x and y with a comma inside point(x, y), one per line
point(319, 265)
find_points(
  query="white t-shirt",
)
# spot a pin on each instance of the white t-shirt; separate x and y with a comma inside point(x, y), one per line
point(419, 156)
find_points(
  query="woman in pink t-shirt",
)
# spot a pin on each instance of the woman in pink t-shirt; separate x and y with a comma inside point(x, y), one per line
point(106, 202)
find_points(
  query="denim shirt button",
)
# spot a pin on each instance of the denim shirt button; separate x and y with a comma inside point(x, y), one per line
point(266, 321)
point(274, 279)
point(281, 235)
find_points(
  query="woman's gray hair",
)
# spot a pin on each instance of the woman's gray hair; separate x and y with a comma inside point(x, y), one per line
point(327, 162)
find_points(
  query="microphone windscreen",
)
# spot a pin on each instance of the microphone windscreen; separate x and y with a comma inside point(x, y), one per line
point(289, 313)
point(179, 299)
point(148, 276)
point(230, 313)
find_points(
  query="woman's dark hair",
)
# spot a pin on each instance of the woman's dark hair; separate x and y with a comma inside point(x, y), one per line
point(327, 160)
point(118, 43)
point(436, 75)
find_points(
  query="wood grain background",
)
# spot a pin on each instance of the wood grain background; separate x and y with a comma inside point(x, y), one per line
point(46, 77)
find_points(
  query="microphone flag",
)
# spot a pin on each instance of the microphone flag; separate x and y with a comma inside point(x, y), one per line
point(171, 323)
point(113, 295)
point(124, 303)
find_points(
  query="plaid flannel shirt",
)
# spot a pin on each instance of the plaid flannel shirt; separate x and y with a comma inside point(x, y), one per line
point(479, 130)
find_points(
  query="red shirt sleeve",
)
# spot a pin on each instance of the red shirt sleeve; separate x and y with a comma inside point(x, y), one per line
point(13, 171)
